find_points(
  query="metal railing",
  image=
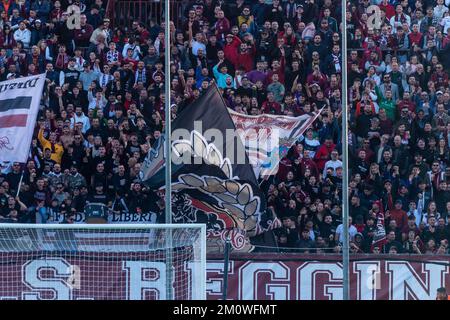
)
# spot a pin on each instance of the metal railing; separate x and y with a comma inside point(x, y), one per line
point(123, 12)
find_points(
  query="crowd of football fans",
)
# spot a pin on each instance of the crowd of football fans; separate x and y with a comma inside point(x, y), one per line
point(104, 108)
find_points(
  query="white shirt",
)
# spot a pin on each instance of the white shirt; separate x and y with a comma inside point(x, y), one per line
point(79, 62)
point(94, 103)
point(104, 79)
point(136, 51)
point(394, 23)
point(83, 119)
point(351, 231)
point(197, 45)
point(333, 164)
point(439, 11)
point(24, 36)
point(445, 23)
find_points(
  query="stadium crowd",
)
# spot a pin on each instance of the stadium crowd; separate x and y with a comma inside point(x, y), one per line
point(104, 108)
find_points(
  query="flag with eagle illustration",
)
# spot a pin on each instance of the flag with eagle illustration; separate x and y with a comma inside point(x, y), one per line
point(213, 177)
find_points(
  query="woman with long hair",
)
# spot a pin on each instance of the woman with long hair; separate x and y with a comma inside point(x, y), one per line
point(45, 50)
point(442, 153)
point(374, 177)
point(371, 75)
point(289, 36)
point(119, 38)
point(7, 39)
point(431, 211)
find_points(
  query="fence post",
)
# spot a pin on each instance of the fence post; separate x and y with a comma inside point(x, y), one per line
point(225, 272)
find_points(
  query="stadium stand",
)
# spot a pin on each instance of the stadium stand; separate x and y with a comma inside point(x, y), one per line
point(104, 108)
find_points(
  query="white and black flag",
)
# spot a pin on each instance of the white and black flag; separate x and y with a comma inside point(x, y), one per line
point(19, 106)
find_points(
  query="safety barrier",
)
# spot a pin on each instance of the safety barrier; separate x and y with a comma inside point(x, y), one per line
point(123, 12)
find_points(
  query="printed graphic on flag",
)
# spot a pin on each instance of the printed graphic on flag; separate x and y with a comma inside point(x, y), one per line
point(14, 112)
point(268, 138)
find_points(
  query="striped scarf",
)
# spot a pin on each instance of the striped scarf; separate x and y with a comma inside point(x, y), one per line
point(141, 76)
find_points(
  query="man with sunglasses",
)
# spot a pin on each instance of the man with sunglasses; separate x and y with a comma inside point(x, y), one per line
point(388, 85)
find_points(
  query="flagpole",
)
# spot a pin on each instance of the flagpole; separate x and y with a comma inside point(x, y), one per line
point(168, 161)
point(345, 204)
point(20, 184)
point(30, 155)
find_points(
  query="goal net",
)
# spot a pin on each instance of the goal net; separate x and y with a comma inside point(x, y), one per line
point(112, 262)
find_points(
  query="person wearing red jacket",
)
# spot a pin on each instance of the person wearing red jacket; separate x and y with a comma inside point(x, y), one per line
point(278, 67)
point(440, 77)
point(323, 154)
point(406, 103)
point(84, 33)
point(231, 48)
point(144, 34)
point(415, 36)
point(246, 57)
point(270, 106)
point(317, 77)
point(308, 163)
point(222, 25)
point(398, 215)
point(388, 8)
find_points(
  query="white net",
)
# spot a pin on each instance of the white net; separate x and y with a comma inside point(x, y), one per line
point(112, 262)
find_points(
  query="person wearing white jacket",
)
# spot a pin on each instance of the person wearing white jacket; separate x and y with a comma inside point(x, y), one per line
point(80, 117)
point(23, 34)
point(445, 23)
point(440, 9)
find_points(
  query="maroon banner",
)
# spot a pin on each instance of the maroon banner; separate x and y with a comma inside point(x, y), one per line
point(314, 277)
point(117, 276)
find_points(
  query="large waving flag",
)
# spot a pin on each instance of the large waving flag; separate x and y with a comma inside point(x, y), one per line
point(206, 121)
point(19, 106)
point(268, 138)
point(216, 153)
point(212, 179)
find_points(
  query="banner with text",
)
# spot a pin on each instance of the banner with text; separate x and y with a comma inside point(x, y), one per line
point(110, 275)
point(19, 106)
point(114, 218)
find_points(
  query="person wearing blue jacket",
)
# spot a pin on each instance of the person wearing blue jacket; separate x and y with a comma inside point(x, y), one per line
point(222, 75)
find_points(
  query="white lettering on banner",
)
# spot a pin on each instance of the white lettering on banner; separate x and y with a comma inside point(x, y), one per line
point(57, 278)
point(32, 277)
point(113, 218)
point(248, 280)
point(405, 283)
point(137, 285)
point(214, 284)
point(25, 85)
point(369, 279)
point(307, 284)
